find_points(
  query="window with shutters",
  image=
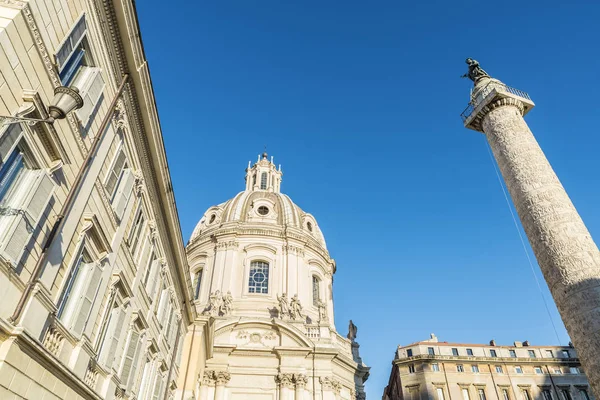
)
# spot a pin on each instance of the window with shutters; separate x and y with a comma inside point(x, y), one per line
point(164, 302)
point(143, 386)
point(119, 182)
point(25, 191)
point(113, 333)
point(159, 386)
point(81, 291)
point(152, 278)
point(135, 233)
point(76, 67)
point(131, 357)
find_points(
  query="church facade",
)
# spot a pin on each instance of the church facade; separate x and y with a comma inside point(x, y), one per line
point(263, 289)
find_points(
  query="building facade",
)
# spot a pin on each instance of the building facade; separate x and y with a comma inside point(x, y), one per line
point(263, 289)
point(94, 293)
point(435, 370)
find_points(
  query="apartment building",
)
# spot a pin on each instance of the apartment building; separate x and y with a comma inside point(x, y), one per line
point(436, 370)
point(92, 264)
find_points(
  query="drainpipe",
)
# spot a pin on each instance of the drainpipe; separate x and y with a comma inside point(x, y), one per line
point(69, 201)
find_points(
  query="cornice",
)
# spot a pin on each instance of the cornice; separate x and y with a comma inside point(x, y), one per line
point(504, 360)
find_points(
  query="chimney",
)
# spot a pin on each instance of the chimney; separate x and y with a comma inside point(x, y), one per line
point(492, 342)
point(518, 344)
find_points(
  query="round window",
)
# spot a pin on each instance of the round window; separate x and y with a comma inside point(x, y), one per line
point(262, 210)
point(212, 219)
point(309, 226)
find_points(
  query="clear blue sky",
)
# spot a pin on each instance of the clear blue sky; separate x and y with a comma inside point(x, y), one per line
point(360, 102)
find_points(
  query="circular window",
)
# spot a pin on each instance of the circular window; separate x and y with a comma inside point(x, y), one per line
point(262, 210)
point(212, 219)
point(309, 226)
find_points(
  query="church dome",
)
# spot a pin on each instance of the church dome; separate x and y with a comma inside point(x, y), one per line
point(261, 203)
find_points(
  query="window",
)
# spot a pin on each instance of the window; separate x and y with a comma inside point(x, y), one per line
point(518, 370)
point(315, 291)
point(152, 276)
point(131, 357)
point(547, 395)
point(558, 371)
point(565, 354)
point(538, 370)
point(499, 369)
point(253, 180)
point(566, 394)
point(526, 395)
point(469, 352)
point(549, 354)
point(76, 67)
point(411, 369)
point(440, 393)
point(493, 353)
point(309, 226)
point(513, 353)
point(262, 210)
point(112, 335)
point(583, 393)
point(197, 284)
point(119, 183)
point(263, 181)
point(25, 191)
point(481, 394)
point(409, 353)
point(465, 394)
point(475, 368)
point(430, 351)
point(259, 277)
point(460, 368)
point(454, 351)
point(531, 353)
point(435, 367)
point(136, 231)
point(158, 386)
point(80, 292)
point(573, 370)
point(505, 395)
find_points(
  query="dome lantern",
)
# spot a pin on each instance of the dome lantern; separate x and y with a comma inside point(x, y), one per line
point(263, 175)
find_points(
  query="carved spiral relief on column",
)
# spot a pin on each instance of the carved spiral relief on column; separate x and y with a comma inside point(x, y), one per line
point(564, 248)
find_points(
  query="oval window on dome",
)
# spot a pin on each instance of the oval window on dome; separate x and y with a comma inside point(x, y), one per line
point(309, 226)
point(263, 210)
point(212, 219)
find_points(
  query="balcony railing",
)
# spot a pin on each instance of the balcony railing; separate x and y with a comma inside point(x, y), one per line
point(499, 87)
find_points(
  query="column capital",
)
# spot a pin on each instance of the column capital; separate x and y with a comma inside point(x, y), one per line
point(301, 380)
point(285, 380)
point(222, 378)
point(208, 378)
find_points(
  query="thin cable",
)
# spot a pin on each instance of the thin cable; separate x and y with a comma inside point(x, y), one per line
point(501, 182)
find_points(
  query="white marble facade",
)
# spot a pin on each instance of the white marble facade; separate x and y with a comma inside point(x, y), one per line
point(263, 287)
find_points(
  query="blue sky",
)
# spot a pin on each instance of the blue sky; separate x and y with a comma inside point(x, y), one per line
point(360, 101)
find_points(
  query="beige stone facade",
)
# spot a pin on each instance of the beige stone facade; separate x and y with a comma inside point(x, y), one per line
point(91, 257)
point(434, 370)
point(263, 289)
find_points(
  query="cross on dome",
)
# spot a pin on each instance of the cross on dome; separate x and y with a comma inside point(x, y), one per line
point(263, 175)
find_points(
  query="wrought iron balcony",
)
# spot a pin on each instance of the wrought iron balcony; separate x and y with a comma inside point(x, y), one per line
point(493, 88)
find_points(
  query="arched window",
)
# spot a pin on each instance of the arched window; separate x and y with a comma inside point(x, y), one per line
point(315, 290)
point(258, 281)
point(197, 284)
point(253, 180)
point(263, 181)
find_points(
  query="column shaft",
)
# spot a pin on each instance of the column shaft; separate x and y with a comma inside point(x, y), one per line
point(566, 253)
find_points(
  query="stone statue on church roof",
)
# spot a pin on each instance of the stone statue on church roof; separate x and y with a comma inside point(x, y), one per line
point(352, 330)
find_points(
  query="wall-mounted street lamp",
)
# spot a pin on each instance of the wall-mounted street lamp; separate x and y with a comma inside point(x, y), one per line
point(65, 100)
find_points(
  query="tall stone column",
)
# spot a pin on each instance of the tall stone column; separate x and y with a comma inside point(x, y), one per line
point(300, 380)
point(286, 386)
point(222, 377)
point(566, 253)
point(208, 380)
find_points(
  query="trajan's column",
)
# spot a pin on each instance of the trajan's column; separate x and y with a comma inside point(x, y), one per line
point(566, 253)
